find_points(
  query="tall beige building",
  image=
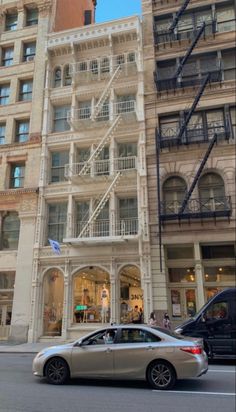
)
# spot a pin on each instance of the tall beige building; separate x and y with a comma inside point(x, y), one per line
point(190, 122)
point(24, 25)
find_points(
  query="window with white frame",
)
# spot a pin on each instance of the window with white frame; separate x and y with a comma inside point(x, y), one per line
point(67, 79)
point(128, 216)
point(125, 103)
point(7, 56)
point(57, 77)
point(17, 175)
point(57, 218)
point(26, 89)
point(2, 133)
point(84, 111)
point(4, 94)
point(29, 51)
point(22, 131)
point(60, 123)
point(58, 162)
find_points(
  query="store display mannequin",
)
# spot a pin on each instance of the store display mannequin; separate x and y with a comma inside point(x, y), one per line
point(105, 303)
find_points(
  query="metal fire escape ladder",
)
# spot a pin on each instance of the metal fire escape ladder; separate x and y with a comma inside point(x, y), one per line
point(189, 51)
point(101, 145)
point(195, 180)
point(105, 93)
point(194, 105)
point(101, 204)
point(178, 15)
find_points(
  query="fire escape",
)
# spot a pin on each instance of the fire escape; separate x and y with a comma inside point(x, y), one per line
point(189, 208)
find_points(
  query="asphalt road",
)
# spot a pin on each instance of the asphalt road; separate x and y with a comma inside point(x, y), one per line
point(20, 391)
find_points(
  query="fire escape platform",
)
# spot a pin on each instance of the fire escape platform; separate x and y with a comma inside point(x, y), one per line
point(108, 240)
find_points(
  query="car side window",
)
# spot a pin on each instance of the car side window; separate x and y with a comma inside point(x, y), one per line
point(101, 338)
point(137, 336)
point(217, 311)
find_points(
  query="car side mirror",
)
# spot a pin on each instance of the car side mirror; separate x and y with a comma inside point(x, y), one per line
point(79, 343)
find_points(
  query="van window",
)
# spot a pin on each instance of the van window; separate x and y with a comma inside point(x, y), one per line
point(218, 310)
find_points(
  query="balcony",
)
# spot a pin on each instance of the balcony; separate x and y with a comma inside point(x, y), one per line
point(189, 78)
point(100, 69)
point(106, 231)
point(169, 37)
point(81, 118)
point(194, 134)
point(197, 209)
point(101, 168)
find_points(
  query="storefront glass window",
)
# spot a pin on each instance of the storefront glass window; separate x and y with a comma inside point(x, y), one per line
point(183, 275)
point(219, 274)
point(92, 296)
point(53, 303)
point(179, 252)
point(131, 295)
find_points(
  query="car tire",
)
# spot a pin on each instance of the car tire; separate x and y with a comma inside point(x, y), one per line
point(161, 375)
point(57, 371)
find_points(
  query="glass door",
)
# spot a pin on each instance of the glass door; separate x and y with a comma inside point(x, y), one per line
point(5, 320)
point(182, 303)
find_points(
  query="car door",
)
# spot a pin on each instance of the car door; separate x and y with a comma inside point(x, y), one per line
point(134, 349)
point(94, 357)
point(219, 325)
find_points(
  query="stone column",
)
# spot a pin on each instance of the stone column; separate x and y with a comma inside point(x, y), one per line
point(199, 273)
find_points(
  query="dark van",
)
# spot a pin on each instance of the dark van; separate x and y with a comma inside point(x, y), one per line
point(216, 324)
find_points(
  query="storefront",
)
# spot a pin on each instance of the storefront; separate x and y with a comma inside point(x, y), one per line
point(7, 281)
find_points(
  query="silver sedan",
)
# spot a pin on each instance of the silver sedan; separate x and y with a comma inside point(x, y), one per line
point(125, 352)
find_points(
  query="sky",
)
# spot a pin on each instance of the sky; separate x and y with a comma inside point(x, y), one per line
point(116, 9)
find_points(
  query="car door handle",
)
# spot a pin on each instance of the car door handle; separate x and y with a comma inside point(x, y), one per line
point(108, 350)
point(150, 348)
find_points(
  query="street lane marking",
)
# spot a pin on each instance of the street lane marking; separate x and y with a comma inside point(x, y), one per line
point(197, 393)
point(221, 370)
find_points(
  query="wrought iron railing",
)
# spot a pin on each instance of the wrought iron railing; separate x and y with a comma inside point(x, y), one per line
point(194, 134)
point(105, 228)
point(197, 208)
point(168, 36)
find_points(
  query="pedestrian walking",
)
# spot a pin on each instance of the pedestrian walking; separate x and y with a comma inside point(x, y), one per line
point(166, 321)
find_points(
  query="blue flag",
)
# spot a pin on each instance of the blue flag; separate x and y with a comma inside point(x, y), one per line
point(55, 246)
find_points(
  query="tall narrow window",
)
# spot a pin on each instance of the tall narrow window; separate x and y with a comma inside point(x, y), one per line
point(57, 216)
point(22, 131)
point(2, 132)
point(87, 17)
point(31, 17)
point(4, 94)
point(174, 189)
point(211, 186)
point(10, 231)
point(67, 79)
point(59, 160)
point(7, 56)
point(29, 51)
point(60, 119)
point(17, 175)
point(82, 215)
point(128, 216)
point(26, 87)
point(11, 21)
point(57, 77)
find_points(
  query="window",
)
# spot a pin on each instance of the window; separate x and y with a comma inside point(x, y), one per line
point(137, 336)
point(219, 274)
point(4, 94)
point(57, 216)
point(2, 132)
point(128, 216)
point(17, 175)
point(183, 252)
point(126, 103)
point(94, 66)
point(127, 149)
point(228, 58)
point(29, 51)
point(233, 120)
point(217, 311)
point(10, 231)
point(60, 119)
point(11, 21)
point(87, 17)
point(22, 131)
point(212, 190)
point(174, 189)
point(82, 215)
point(67, 80)
point(7, 56)
point(57, 77)
point(31, 17)
point(218, 251)
point(26, 87)
point(225, 15)
point(105, 65)
point(169, 126)
point(59, 160)
point(84, 110)
point(177, 275)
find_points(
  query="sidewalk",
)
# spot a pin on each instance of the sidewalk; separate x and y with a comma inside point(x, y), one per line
point(25, 347)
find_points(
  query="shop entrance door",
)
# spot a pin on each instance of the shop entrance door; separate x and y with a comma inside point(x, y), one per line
point(4, 323)
point(182, 303)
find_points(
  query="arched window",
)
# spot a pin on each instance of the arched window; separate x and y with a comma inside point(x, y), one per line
point(53, 291)
point(174, 189)
point(67, 79)
point(10, 231)
point(212, 191)
point(57, 77)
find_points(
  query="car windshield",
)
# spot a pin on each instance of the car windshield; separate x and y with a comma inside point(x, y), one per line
point(169, 333)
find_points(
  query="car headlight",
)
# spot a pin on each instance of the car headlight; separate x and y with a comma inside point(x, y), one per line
point(179, 331)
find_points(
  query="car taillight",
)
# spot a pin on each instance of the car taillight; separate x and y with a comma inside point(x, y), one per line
point(195, 350)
